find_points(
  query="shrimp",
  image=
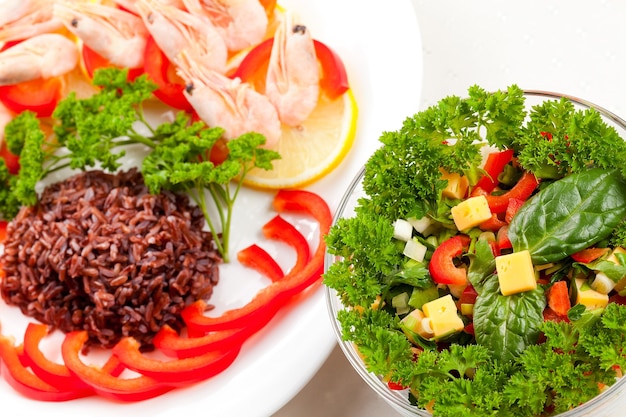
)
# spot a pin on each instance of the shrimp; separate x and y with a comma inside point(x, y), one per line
point(131, 5)
point(23, 19)
point(292, 81)
point(116, 35)
point(228, 103)
point(241, 23)
point(175, 30)
point(42, 56)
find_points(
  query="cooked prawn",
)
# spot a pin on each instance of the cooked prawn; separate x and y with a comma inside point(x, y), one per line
point(116, 35)
point(175, 30)
point(131, 5)
point(242, 23)
point(228, 103)
point(42, 56)
point(292, 81)
point(23, 19)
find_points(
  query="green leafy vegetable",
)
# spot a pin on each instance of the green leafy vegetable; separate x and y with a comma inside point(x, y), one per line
point(95, 131)
point(507, 325)
point(569, 215)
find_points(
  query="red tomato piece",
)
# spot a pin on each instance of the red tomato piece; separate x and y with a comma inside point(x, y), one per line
point(441, 266)
point(163, 73)
point(589, 254)
point(502, 237)
point(333, 80)
point(94, 61)
point(469, 295)
point(39, 96)
point(11, 161)
point(219, 151)
point(494, 166)
point(558, 298)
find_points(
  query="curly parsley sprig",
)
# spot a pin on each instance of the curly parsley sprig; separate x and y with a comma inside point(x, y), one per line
point(94, 132)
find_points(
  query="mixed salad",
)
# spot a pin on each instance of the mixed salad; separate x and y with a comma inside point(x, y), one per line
point(484, 271)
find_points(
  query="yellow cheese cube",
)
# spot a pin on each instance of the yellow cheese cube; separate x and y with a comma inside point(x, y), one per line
point(457, 184)
point(515, 273)
point(471, 212)
point(588, 297)
point(443, 316)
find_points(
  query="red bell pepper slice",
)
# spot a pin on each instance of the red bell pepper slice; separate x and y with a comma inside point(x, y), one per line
point(27, 383)
point(55, 374)
point(3, 231)
point(589, 254)
point(168, 341)
point(333, 81)
point(521, 191)
point(441, 266)
point(558, 298)
point(494, 166)
point(176, 371)
point(502, 238)
point(257, 258)
point(493, 224)
point(101, 380)
point(280, 229)
point(269, 299)
point(514, 205)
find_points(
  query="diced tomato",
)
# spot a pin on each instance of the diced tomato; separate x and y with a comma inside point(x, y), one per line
point(11, 161)
point(94, 61)
point(441, 266)
point(619, 299)
point(395, 386)
point(163, 73)
point(558, 298)
point(589, 254)
point(550, 315)
point(219, 151)
point(333, 81)
point(40, 96)
point(494, 166)
point(469, 295)
point(469, 328)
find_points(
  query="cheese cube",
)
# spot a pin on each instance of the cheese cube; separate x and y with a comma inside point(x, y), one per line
point(471, 212)
point(443, 316)
point(588, 297)
point(457, 184)
point(515, 273)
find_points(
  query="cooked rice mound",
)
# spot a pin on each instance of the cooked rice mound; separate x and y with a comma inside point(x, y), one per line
point(100, 253)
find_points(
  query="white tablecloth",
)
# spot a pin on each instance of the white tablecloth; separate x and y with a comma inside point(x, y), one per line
point(573, 47)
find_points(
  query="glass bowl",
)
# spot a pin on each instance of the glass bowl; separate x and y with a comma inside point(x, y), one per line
point(610, 403)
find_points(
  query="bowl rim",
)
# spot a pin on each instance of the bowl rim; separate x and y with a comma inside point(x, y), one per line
point(394, 398)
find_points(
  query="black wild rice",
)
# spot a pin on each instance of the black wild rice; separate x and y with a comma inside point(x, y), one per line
point(100, 253)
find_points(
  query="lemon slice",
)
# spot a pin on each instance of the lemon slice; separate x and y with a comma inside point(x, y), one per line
point(314, 148)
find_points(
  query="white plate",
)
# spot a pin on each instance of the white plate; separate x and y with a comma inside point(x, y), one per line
point(381, 47)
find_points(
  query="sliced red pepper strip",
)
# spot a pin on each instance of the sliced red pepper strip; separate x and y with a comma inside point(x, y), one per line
point(514, 205)
point(55, 374)
point(503, 238)
point(269, 299)
point(175, 371)
point(104, 383)
point(493, 224)
point(521, 191)
point(257, 258)
point(589, 255)
point(168, 341)
point(280, 229)
point(494, 166)
point(441, 266)
point(27, 383)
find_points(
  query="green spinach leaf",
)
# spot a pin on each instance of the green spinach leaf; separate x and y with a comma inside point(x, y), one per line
point(506, 325)
point(569, 215)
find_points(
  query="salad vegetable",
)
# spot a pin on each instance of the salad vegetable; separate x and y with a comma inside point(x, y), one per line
point(535, 274)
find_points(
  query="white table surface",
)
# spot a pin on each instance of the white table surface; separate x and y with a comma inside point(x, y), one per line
point(573, 47)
